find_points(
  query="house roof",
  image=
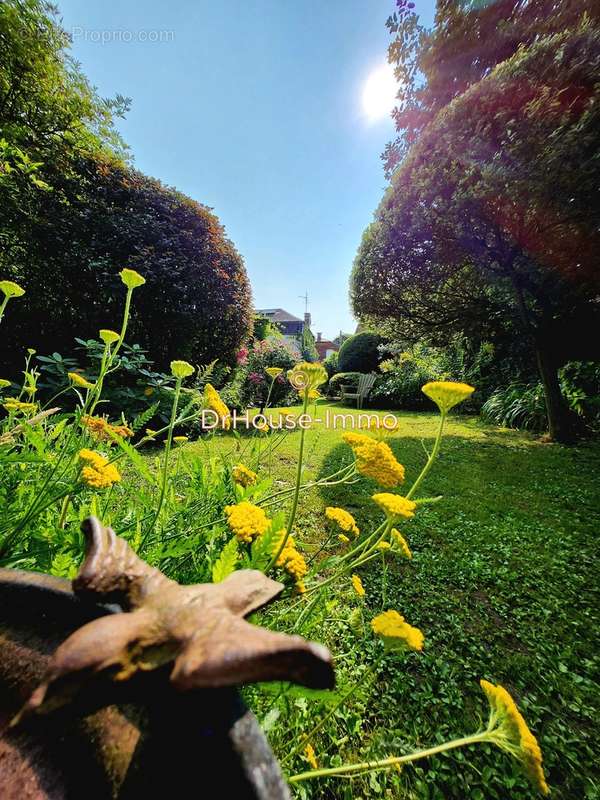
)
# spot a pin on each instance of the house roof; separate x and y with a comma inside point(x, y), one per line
point(277, 315)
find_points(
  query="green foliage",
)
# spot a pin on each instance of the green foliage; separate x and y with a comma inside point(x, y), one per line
point(225, 563)
point(265, 329)
point(108, 215)
point(307, 346)
point(360, 353)
point(331, 364)
point(346, 378)
point(467, 41)
point(522, 405)
point(252, 383)
point(447, 252)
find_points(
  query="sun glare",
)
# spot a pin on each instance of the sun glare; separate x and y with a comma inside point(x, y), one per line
point(379, 93)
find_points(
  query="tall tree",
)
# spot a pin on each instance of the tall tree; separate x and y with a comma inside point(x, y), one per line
point(469, 38)
point(493, 219)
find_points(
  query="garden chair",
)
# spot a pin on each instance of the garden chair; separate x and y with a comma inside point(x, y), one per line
point(365, 384)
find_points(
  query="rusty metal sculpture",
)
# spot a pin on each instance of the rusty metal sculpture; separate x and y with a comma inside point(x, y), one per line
point(128, 681)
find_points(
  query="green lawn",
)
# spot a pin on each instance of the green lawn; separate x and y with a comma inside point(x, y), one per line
point(502, 583)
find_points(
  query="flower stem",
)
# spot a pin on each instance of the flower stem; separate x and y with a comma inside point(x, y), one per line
point(165, 471)
point(294, 509)
point(384, 763)
point(432, 457)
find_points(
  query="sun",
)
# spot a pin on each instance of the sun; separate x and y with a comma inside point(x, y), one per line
point(379, 93)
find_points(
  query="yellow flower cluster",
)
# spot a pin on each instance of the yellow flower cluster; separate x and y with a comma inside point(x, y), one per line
point(180, 439)
point(102, 429)
point(375, 460)
point(246, 520)
point(108, 336)
point(79, 380)
point(395, 506)
point(383, 545)
point(131, 278)
point(309, 753)
point(447, 394)
point(400, 541)
point(181, 369)
point(214, 402)
point(512, 734)
point(97, 472)
point(243, 476)
point(307, 377)
point(11, 289)
point(375, 425)
point(358, 586)
point(19, 405)
point(396, 633)
point(343, 539)
point(343, 519)
point(290, 559)
point(274, 372)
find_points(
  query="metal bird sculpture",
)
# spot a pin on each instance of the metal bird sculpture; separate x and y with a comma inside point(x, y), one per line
point(200, 629)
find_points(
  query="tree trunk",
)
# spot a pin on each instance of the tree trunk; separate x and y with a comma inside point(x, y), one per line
point(561, 420)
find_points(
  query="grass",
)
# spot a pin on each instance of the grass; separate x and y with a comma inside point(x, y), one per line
point(502, 584)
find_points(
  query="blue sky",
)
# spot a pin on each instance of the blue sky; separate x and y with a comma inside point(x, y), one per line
point(254, 108)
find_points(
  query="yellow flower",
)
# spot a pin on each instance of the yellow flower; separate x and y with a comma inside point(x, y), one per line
point(343, 539)
point(343, 518)
point(398, 539)
point(243, 476)
point(274, 372)
point(102, 429)
point(447, 394)
point(97, 472)
point(11, 289)
point(4, 383)
point(358, 587)
point(309, 754)
point(306, 376)
point(246, 520)
point(509, 731)
point(394, 505)
point(79, 380)
point(396, 633)
point(18, 405)
point(376, 426)
point(150, 432)
point(300, 587)
point(375, 460)
point(181, 369)
point(383, 545)
point(214, 402)
point(131, 278)
point(108, 336)
point(290, 559)
point(180, 439)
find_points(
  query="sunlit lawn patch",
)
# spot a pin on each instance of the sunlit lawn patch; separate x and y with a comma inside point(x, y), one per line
point(501, 582)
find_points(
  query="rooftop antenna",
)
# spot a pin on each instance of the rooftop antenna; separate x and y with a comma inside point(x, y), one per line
point(305, 298)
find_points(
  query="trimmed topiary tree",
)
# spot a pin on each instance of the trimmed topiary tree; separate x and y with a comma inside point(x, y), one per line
point(360, 353)
point(196, 303)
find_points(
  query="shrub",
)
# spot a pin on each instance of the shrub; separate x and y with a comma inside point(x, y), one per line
point(346, 378)
point(517, 406)
point(251, 383)
point(331, 364)
point(360, 353)
point(522, 405)
point(196, 301)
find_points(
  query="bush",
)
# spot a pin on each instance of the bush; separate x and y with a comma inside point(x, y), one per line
point(521, 405)
point(331, 364)
point(360, 353)
point(196, 302)
point(346, 378)
point(251, 383)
